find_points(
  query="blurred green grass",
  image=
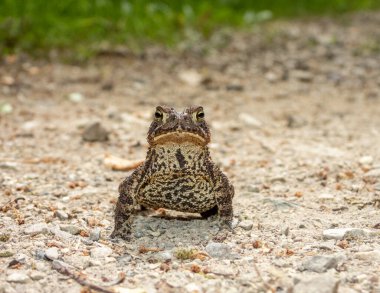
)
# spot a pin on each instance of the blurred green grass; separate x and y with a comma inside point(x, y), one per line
point(83, 26)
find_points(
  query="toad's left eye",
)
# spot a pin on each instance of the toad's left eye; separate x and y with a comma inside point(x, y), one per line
point(158, 115)
point(200, 115)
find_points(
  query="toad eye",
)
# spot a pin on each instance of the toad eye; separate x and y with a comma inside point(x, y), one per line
point(200, 115)
point(158, 115)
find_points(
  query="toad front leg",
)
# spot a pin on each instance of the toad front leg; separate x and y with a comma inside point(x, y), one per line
point(125, 206)
point(224, 193)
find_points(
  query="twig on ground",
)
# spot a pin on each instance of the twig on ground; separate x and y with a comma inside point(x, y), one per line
point(78, 277)
point(8, 205)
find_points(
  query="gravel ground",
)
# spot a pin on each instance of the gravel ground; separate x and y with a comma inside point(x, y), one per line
point(295, 113)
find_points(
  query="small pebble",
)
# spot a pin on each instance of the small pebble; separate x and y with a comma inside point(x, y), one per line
point(76, 97)
point(52, 253)
point(246, 225)
point(374, 173)
point(371, 256)
point(95, 234)
point(61, 215)
point(366, 160)
point(95, 132)
point(18, 277)
point(36, 275)
point(101, 252)
point(39, 254)
point(319, 284)
point(164, 256)
point(35, 229)
point(341, 233)
point(218, 250)
point(73, 230)
point(322, 263)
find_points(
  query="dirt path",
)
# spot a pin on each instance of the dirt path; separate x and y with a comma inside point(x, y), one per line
point(295, 114)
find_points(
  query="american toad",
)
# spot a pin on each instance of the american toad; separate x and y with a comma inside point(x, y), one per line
point(178, 172)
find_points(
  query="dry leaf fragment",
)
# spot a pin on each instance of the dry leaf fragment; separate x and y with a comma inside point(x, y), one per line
point(257, 244)
point(164, 267)
point(119, 164)
point(200, 255)
point(298, 194)
point(143, 249)
point(195, 268)
point(92, 221)
point(84, 233)
point(343, 244)
point(8, 80)
point(85, 253)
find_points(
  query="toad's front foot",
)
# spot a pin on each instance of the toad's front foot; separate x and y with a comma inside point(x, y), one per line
point(122, 230)
point(225, 225)
point(126, 235)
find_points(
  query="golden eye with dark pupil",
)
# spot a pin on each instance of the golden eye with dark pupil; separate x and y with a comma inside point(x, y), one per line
point(200, 115)
point(158, 115)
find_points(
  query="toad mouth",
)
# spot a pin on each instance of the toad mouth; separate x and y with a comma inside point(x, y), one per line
point(179, 137)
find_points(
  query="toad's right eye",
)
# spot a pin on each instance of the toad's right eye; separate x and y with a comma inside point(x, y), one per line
point(158, 115)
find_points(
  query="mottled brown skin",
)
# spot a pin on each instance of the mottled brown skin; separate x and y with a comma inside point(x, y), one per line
point(178, 172)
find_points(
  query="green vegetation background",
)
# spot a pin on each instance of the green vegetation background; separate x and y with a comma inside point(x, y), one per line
point(82, 26)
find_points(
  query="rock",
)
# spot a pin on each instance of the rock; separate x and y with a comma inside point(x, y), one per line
point(372, 173)
point(254, 188)
point(18, 277)
point(35, 229)
point(7, 288)
point(368, 256)
point(271, 76)
point(223, 270)
point(234, 87)
point(327, 245)
point(218, 250)
point(76, 97)
point(302, 75)
point(326, 196)
point(21, 258)
point(101, 252)
point(164, 256)
point(193, 288)
point(36, 275)
point(377, 187)
point(39, 254)
point(278, 179)
point(95, 234)
point(285, 230)
point(250, 120)
point(294, 121)
point(9, 166)
point(234, 223)
point(366, 160)
point(246, 225)
point(52, 253)
point(322, 263)
point(341, 233)
point(57, 232)
point(95, 132)
point(61, 215)
point(319, 284)
point(191, 77)
point(176, 279)
point(6, 253)
point(59, 265)
point(6, 108)
point(73, 230)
